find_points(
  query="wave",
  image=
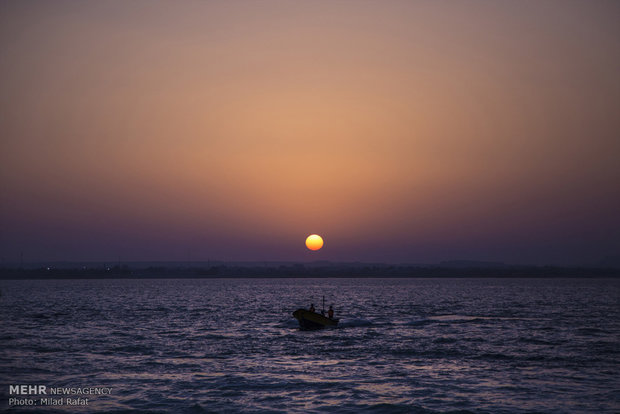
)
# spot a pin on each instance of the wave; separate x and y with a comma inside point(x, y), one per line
point(445, 319)
point(51, 315)
point(538, 341)
point(354, 323)
point(288, 323)
point(387, 408)
point(132, 349)
point(457, 318)
point(418, 322)
point(593, 331)
point(445, 340)
point(344, 323)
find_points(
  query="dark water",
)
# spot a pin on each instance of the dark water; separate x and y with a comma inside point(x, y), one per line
point(404, 345)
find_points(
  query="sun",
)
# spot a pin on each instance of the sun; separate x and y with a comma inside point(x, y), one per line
point(314, 242)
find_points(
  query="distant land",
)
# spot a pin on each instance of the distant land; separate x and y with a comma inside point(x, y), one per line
point(318, 269)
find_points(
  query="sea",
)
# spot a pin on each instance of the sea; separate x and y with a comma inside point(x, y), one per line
point(417, 345)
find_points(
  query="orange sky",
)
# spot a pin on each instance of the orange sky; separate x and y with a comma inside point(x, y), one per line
point(399, 131)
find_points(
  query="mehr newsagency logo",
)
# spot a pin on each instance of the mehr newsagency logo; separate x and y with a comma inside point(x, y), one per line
point(42, 395)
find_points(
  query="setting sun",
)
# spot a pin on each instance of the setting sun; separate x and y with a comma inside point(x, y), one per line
point(314, 242)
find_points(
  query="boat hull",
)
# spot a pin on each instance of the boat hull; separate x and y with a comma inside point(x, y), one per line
point(312, 320)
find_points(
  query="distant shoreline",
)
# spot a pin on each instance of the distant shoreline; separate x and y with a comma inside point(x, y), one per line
point(305, 271)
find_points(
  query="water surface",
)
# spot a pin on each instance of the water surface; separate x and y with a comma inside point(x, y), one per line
point(403, 345)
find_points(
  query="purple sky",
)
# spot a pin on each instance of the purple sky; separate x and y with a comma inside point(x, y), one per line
point(400, 131)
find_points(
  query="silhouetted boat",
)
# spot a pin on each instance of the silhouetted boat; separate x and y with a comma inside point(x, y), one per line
point(312, 320)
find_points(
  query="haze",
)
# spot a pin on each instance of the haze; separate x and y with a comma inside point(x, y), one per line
point(400, 131)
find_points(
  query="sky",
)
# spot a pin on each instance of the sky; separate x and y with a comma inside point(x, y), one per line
point(400, 131)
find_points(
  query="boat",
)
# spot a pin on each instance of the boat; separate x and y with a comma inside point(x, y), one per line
point(311, 320)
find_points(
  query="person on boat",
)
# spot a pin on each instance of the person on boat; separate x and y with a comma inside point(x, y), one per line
point(330, 312)
point(312, 307)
